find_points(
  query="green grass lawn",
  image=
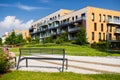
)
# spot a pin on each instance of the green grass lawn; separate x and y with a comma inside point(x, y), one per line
point(74, 50)
point(25, 75)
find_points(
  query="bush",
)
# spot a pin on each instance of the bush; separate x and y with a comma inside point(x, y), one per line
point(100, 45)
point(59, 40)
point(4, 63)
point(81, 37)
point(48, 39)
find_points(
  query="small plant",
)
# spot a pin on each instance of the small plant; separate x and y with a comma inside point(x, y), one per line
point(5, 61)
point(4, 64)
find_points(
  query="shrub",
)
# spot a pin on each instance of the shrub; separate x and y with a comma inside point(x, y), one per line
point(81, 37)
point(59, 40)
point(100, 45)
point(4, 63)
point(48, 39)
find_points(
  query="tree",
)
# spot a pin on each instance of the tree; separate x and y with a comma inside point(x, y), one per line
point(61, 38)
point(11, 40)
point(28, 39)
point(48, 39)
point(19, 39)
point(14, 39)
point(0, 41)
point(81, 37)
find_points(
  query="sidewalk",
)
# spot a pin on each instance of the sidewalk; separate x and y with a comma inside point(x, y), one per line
point(76, 64)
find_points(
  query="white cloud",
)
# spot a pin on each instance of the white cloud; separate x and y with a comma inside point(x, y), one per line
point(23, 7)
point(28, 8)
point(11, 22)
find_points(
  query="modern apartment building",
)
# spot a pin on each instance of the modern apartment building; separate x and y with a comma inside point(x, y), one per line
point(99, 24)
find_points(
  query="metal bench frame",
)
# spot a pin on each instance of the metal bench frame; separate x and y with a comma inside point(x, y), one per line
point(63, 59)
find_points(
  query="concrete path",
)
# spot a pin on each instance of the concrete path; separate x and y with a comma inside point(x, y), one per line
point(76, 64)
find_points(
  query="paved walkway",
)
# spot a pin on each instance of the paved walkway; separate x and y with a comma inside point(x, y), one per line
point(76, 64)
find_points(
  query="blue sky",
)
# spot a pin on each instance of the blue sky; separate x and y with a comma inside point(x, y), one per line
point(19, 14)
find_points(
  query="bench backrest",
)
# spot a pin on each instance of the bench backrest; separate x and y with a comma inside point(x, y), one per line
point(43, 51)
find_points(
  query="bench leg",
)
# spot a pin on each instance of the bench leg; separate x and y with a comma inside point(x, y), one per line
point(15, 61)
point(63, 65)
point(26, 62)
point(66, 64)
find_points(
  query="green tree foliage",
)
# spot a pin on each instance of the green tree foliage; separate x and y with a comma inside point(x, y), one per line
point(37, 39)
point(29, 39)
point(61, 38)
point(81, 37)
point(0, 41)
point(48, 39)
point(11, 40)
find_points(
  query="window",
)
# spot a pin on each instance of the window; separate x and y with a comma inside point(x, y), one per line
point(83, 16)
point(110, 28)
point(103, 36)
point(104, 18)
point(110, 36)
point(109, 18)
point(92, 35)
point(99, 36)
point(50, 18)
point(76, 17)
point(55, 17)
point(58, 15)
point(101, 27)
point(100, 17)
point(116, 19)
point(73, 18)
point(95, 26)
point(93, 16)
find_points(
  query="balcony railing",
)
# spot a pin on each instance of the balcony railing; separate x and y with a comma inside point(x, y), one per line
point(114, 22)
point(73, 29)
point(118, 31)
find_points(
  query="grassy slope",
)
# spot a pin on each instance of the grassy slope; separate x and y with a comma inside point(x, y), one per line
point(75, 50)
point(24, 75)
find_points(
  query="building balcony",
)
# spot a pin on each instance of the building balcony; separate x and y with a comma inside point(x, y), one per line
point(73, 29)
point(64, 24)
point(32, 33)
point(31, 28)
point(63, 31)
point(114, 22)
point(51, 21)
point(72, 38)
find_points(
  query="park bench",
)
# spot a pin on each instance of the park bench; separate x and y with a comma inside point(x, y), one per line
point(41, 53)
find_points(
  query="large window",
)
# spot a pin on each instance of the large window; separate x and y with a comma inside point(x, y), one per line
point(72, 18)
point(110, 28)
point(116, 19)
point(93, 36)
point(83, 16)
point(95, 26)
point(93, 16)
point(110, 36)
point(109, 18)
point(76, 17)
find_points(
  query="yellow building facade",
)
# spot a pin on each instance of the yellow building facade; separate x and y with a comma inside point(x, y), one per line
point(25, 33)
point(101, 23)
